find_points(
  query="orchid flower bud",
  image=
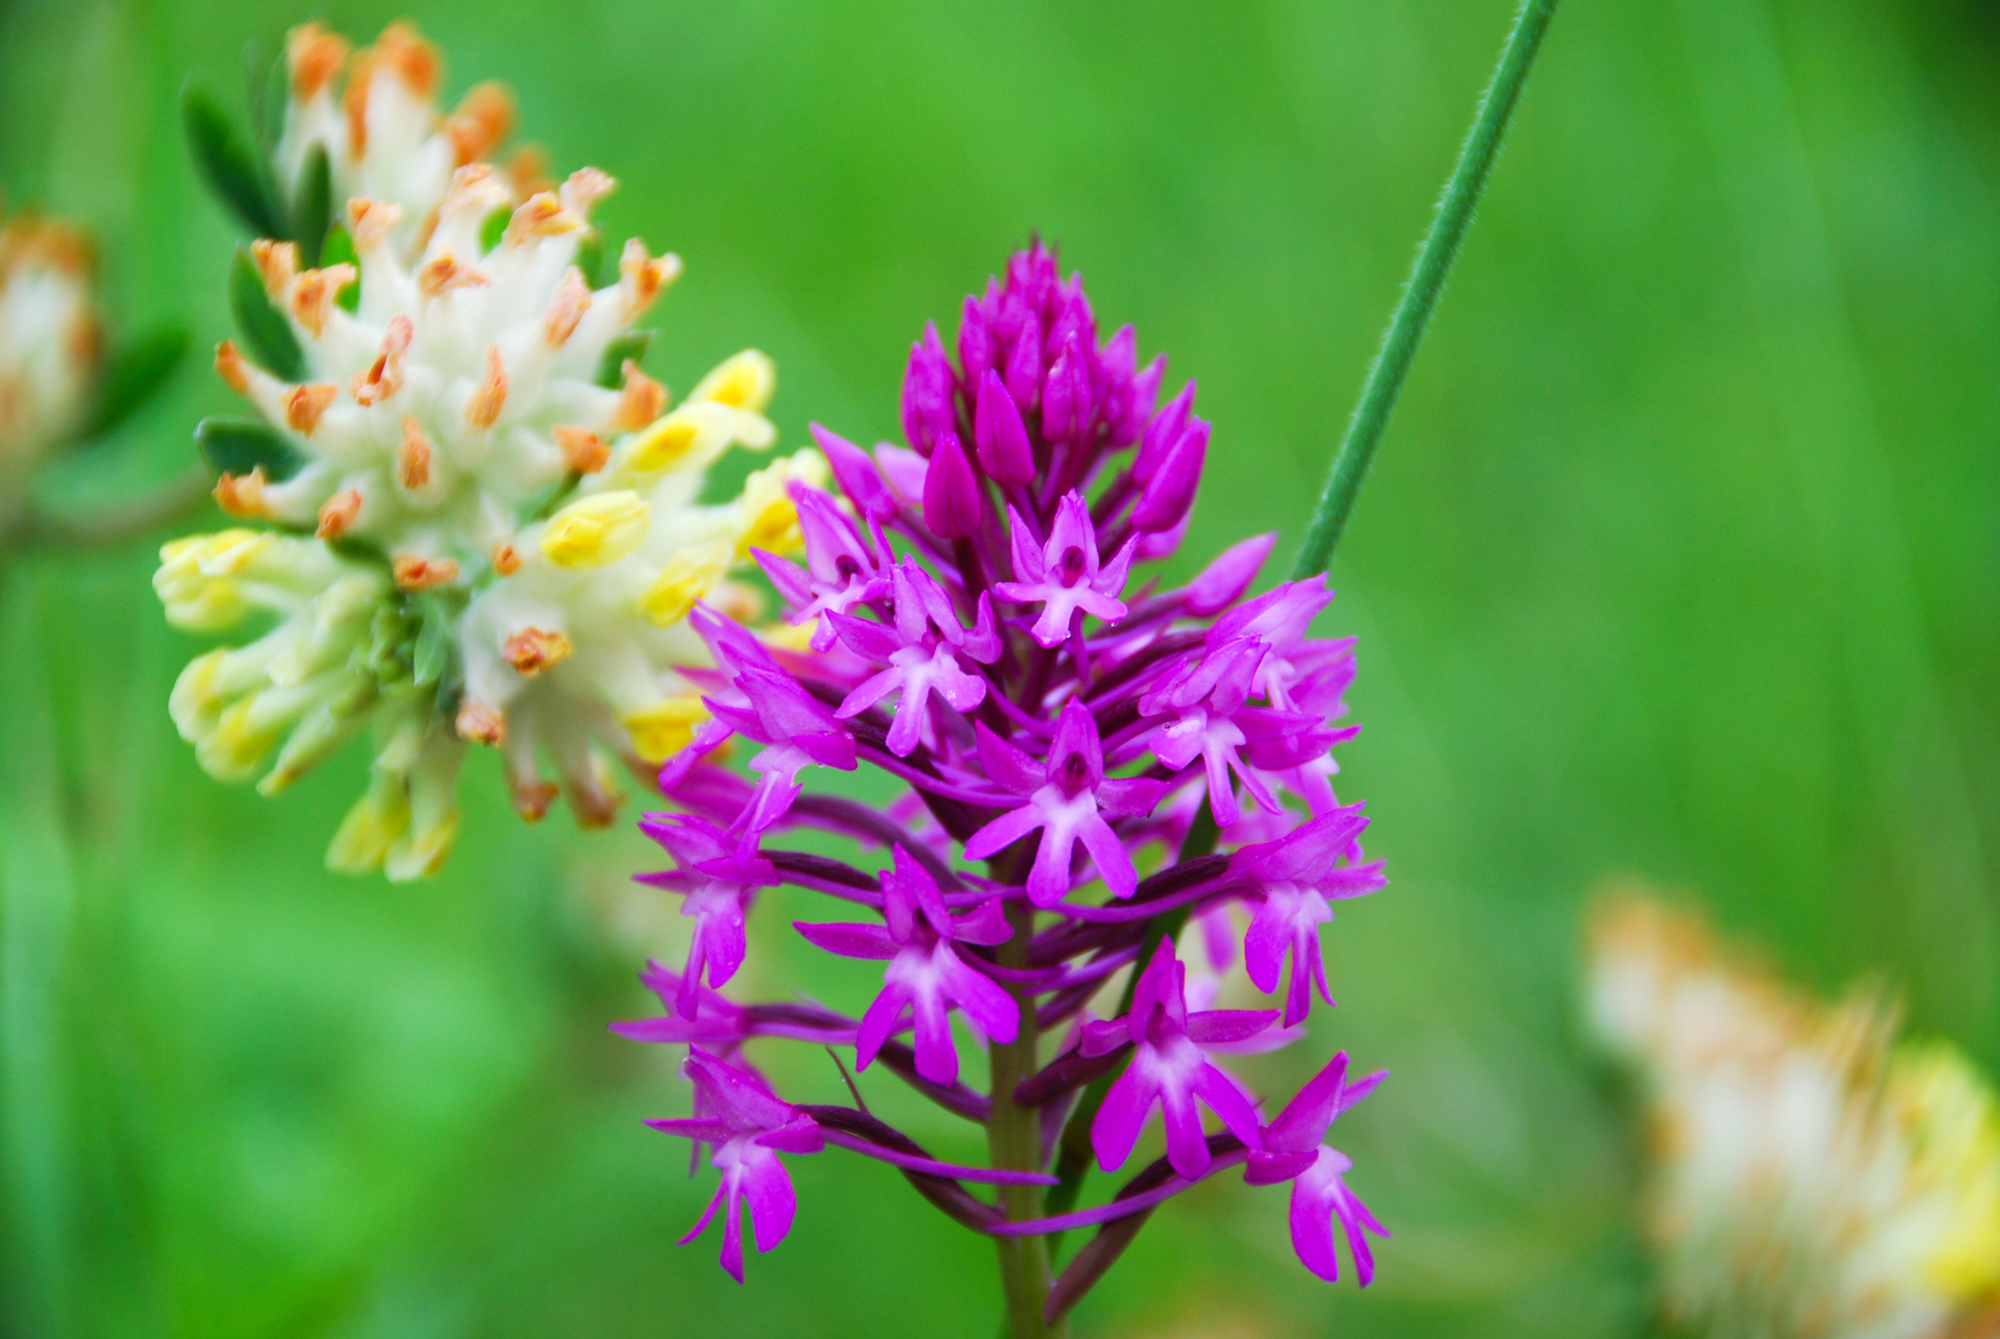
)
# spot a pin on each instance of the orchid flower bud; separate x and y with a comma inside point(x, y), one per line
point(998, 436)
point(1170, 492)
point(927, 385)
point(952, 505)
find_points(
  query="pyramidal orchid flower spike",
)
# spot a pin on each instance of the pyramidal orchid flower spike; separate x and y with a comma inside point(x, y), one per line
point(472, 517)
point(1087, 759)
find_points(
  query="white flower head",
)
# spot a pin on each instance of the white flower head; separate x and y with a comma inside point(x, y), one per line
point(469, 427)
point(1810, 1176)
point(50, 345)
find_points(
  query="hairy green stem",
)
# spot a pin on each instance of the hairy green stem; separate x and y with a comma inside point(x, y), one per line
point(1014, 1141)
point(1406, 328)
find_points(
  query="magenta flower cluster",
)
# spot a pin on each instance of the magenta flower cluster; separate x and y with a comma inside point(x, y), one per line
point(1115, 757)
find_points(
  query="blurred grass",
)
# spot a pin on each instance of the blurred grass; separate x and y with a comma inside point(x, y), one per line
point(1680, 559)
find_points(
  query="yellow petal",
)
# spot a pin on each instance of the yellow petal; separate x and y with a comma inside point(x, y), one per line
point(746, 381)
point(596, 530)
point(665, 728)
point(689, 575)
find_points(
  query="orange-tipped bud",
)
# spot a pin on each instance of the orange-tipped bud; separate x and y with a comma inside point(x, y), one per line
point(229, 365)
point(337, 513)
point(242, 495)
point(276, 263)
point(480, 723)
point(572, 300)
point(584, 452)
point(532, 651)
point(314, 56)
point(643, 400)
point(483, 118)
point(305, 405)
point(414, 573)
point(413, 456)
point(482, 407)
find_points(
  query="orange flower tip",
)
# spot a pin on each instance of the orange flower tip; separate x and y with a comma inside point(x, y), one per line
point(572, 300)
point(645, 275)
point(584, 452)
point(306, 405)
point(276, 263)
point(483, 118)
point(314, 293)
point(642, 401)
point(337, 513)
point(229, 365)
point(482, 407)
point(414, 573)
point(532, 651)
point(413, 456)
point(242, 495)
point(506, 560)
point(585, 187)
point(481, 724)
point(313, 56)
point(369, 221)
point(444, 272)
point(528, 171)
point(532, 798)
point(541, 216)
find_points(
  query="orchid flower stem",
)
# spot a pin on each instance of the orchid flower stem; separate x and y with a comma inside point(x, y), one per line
point(1014, 1143)
point(1406, 327)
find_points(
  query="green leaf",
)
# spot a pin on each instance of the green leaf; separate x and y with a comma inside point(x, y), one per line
point(233, 171)
point(434, 640)
point(493, 228)
point(339, 250)
point(590, 257)
point(611, 367)
point(313, 209)
point(240, 445)
point(267, 335)
point(134, 375)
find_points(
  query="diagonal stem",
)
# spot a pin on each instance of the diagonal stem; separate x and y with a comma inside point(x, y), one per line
point(1406, 328)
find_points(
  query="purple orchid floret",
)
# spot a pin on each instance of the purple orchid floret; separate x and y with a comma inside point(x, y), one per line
point(1069, 802)
point(1300, 876)
point(926, 973)
point(1168, 1069)
point(1290, 1148)
point(1063, 575)
point(843, 567)
point(1081, 756)
point(746, 1127)
point(718, 883)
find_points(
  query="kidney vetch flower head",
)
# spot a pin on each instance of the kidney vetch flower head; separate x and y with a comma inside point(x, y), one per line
point(1806, 1168)
point(1085, 758)
point(466, 513)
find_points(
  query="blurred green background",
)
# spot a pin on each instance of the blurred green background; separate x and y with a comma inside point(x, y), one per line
point(1679, 560)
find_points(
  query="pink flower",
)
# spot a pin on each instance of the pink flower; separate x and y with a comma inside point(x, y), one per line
point(1168, 1068)
point(1062, 575)
point(1068, 797)
point(926, 971)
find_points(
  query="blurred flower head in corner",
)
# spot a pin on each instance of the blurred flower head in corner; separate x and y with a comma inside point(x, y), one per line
point(1809, 1174)
point(50, 346)
point(475, 518)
